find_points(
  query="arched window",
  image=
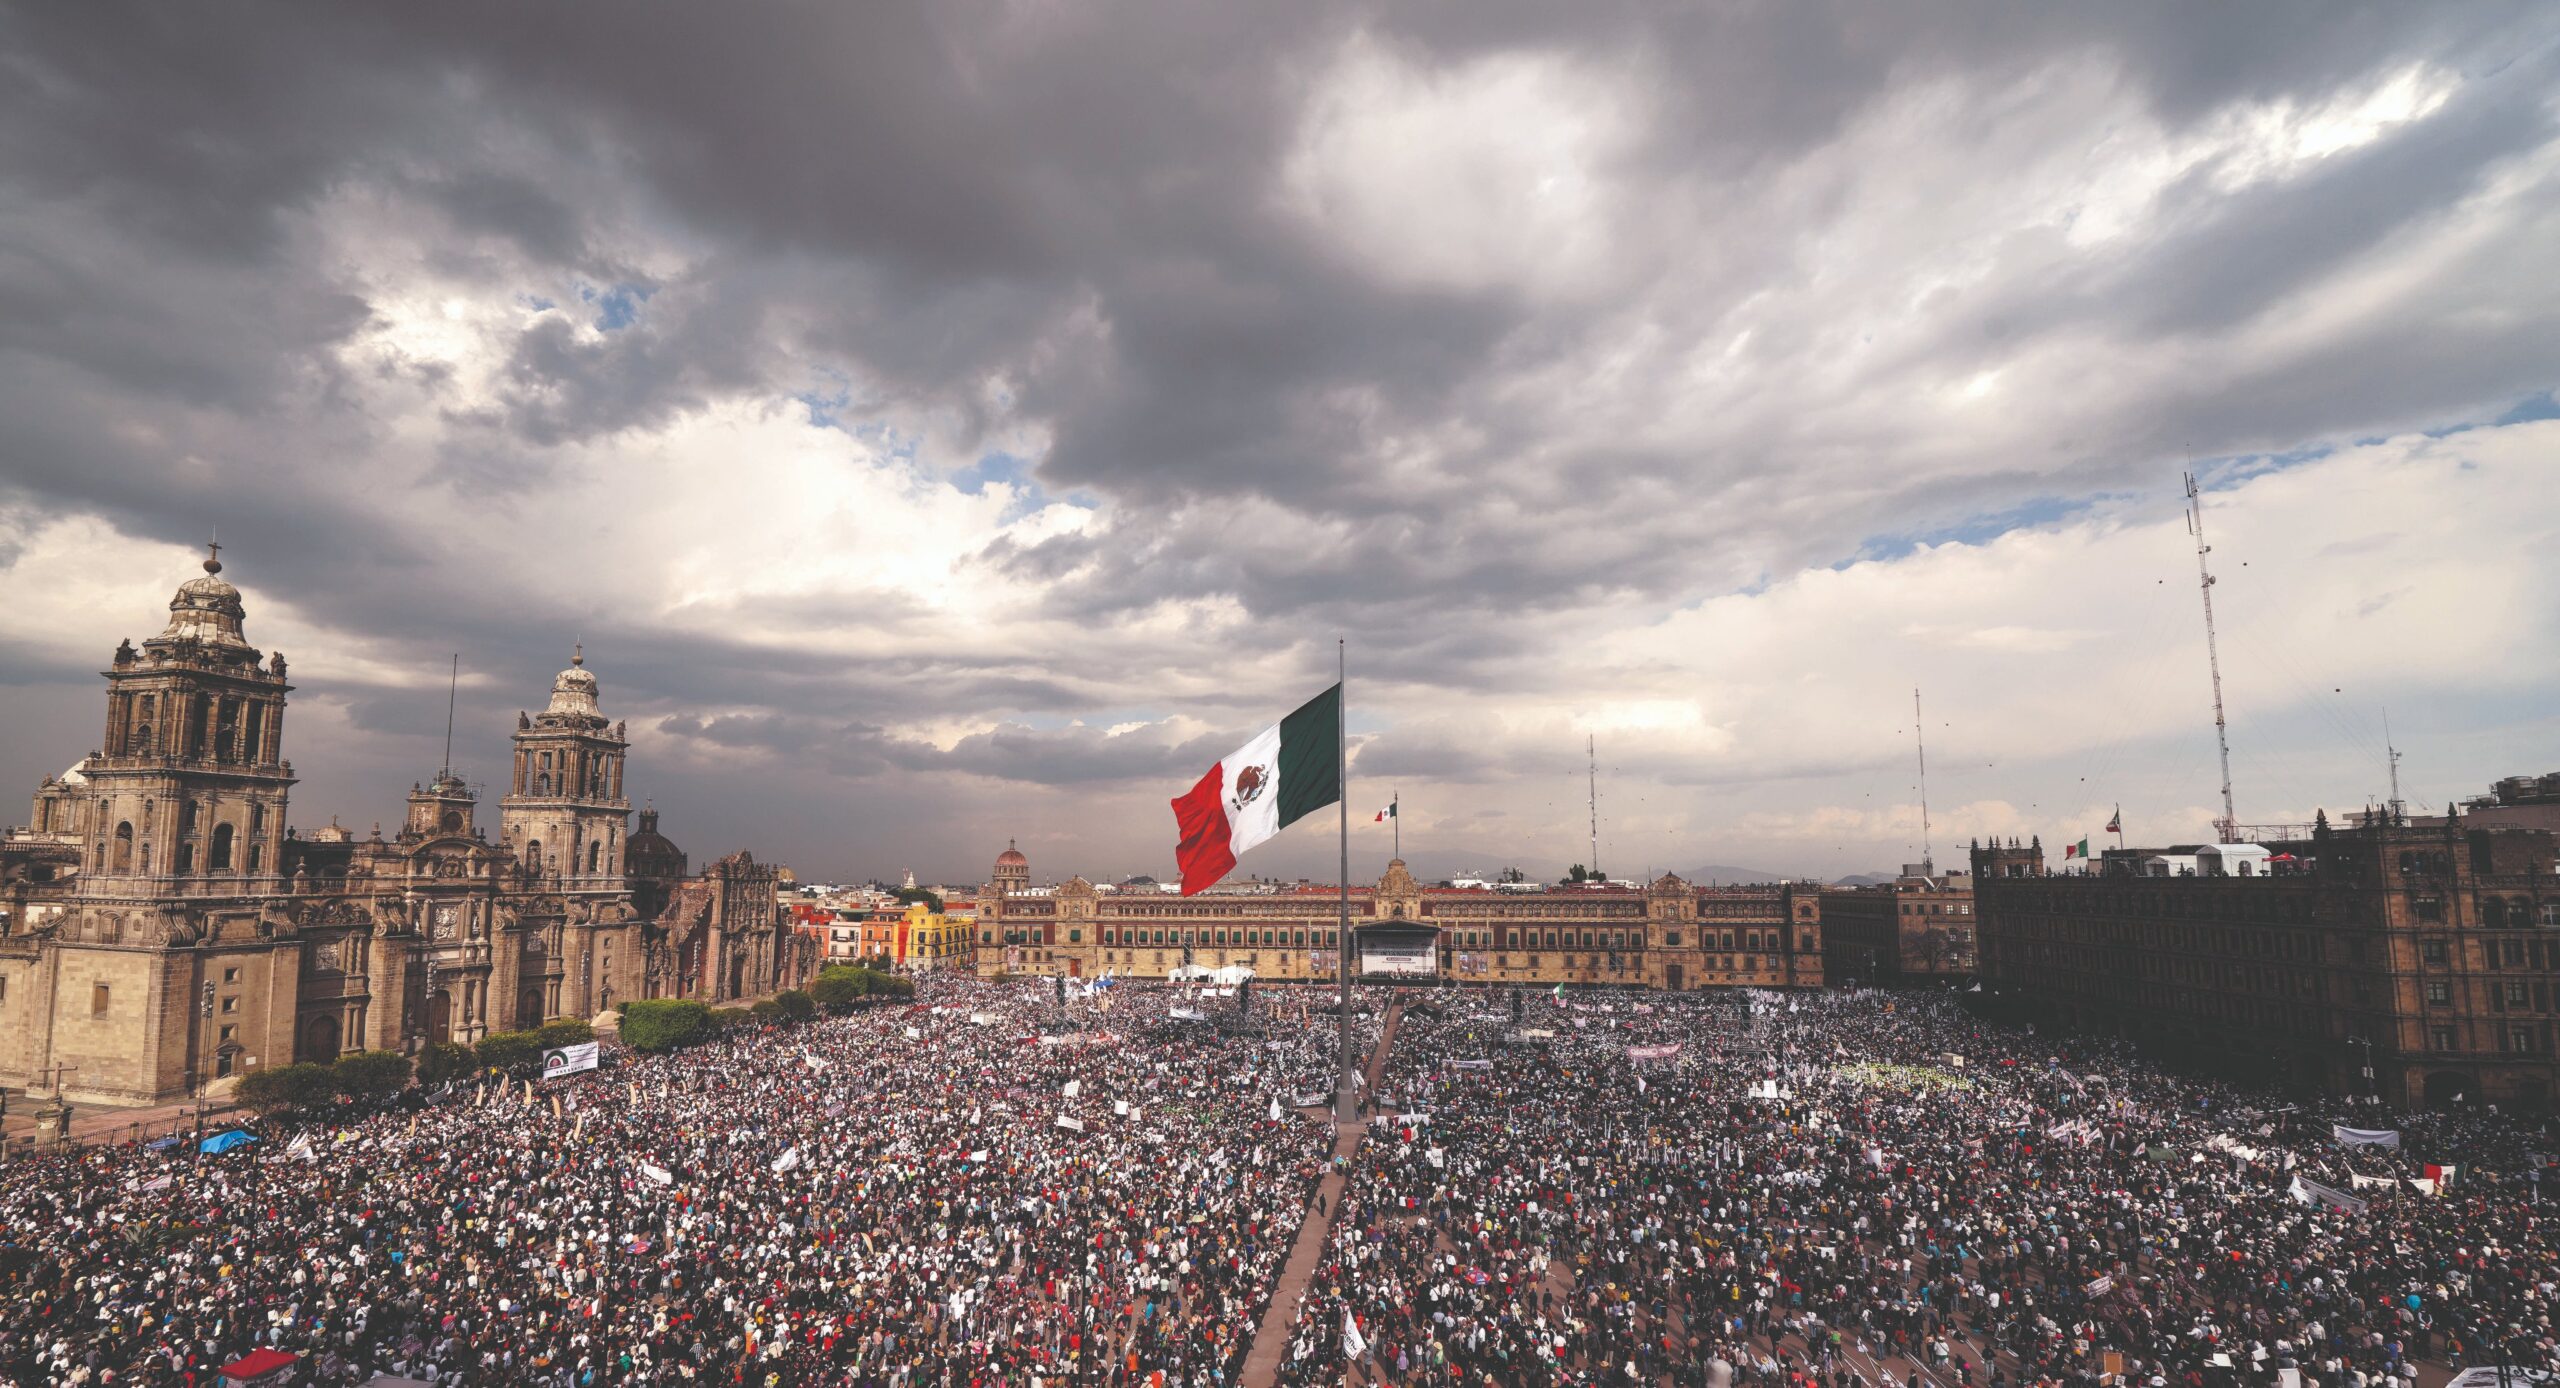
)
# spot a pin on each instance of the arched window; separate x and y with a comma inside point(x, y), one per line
point(220, 861)
point(123, 860)
point(542, 784)
point(533, 854)
point(595, 856)
point(255, 859)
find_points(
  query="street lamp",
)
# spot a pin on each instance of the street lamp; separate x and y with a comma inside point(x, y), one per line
point(2373, 1087)
point(207, 1010)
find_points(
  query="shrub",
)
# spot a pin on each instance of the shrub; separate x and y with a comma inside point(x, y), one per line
point(284, 1088)
point(371, 1076)
point(663, 1024)
point(766, 1010)
point(445, 1060)
point(795, 1005)
point(511, 1051)
point(564, 1031)
point(726, 1018)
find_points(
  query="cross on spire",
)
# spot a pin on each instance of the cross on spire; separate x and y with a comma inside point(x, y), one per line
point(213, 556)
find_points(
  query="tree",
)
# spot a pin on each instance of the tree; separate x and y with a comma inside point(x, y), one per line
point(766, 1010)
point(511, 1051)
point(663, 1024)
point(445, 1060)
point(728, 1018)
point(371, 1076)
point(284, 1088)
point(1579, 874)
point(911, 895)
point(795, 1006)
point(839, 988)
point(564, 1031)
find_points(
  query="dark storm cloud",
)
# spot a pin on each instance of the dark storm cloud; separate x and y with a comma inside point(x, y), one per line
point(1061, 222)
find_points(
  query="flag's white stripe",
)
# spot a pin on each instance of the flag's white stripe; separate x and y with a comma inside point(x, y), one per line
point(1249, 822)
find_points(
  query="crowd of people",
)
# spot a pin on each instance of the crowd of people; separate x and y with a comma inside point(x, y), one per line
point(992, 1186)
point(1868, 1188)
point(1001, 1185)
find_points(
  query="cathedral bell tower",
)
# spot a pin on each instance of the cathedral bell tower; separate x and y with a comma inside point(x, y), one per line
point(189, 792)
point(565, 814)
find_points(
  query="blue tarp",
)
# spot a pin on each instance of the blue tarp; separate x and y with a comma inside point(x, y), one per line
point(224, 1142)
point(163, 1144)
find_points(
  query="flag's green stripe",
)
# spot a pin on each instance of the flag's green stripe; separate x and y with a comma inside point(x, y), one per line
point(1310, 756)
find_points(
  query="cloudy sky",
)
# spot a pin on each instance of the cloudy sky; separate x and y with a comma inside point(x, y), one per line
point(958, 421)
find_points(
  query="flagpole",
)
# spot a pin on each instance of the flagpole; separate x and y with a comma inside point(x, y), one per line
point(1344, 1096)
point(1395, 811)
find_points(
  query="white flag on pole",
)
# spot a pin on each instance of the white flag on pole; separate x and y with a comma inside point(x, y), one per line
point(1352, 1345)
point(787, 1162)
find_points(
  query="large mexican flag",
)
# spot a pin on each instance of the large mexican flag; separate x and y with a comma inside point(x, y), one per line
point(1285, 771)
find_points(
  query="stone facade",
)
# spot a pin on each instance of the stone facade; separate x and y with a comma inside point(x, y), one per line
point(1670, 935)
point(2427, 952)
point(1917, 928)
point(165, 929)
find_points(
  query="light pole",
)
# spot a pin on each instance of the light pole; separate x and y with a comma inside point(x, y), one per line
point(206, 1009)
point(2373, 1087)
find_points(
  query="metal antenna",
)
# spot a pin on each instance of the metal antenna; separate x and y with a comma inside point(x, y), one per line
point(2229, 825)
point(1591, 749)
point(452, 686)
point(1921, 740)
point(2395, 761)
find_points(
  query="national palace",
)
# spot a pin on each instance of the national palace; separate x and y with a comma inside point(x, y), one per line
point(1669, 935)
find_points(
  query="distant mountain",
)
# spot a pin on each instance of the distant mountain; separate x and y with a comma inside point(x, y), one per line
point(1865, 879)
point(1728, 874)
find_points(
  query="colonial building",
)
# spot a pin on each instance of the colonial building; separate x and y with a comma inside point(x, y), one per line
point(165, 928)
point(2416, 962)
point(1670, 935)
point(1917, 928)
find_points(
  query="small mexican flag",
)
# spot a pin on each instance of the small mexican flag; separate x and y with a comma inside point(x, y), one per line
point(1286, 771)
point(1384, 815)
point(2076, 850)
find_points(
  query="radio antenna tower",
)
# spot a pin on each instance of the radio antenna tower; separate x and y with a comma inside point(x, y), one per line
point(2396, 809)
point(453, 686)
point(2228, 827)
point(1921, 741)
point(1591, 749)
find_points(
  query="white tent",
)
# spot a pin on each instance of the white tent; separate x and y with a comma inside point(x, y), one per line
point(2232, 860)
point(1188, 973)
point(1231, 975)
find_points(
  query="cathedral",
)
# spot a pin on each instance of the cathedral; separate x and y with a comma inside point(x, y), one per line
point(163, 927)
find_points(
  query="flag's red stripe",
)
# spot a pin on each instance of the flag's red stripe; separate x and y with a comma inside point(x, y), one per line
point(1200, 816)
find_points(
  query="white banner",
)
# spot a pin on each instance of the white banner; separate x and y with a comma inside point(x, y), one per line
point(659, 1174)
point(568, 1060)
point(2365, 1137)
point(2314, 1193)
point(1070, 1124)
point(786, 1163)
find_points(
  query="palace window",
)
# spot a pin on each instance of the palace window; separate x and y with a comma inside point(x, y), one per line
point(2440, 994)
point(98, 999)
point(2432, 951)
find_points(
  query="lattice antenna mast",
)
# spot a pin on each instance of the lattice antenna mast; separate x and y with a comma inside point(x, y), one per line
point(1591, 749)
point(2396, 809)
point(453, 685)
point(1920, 740)
point(2228, 827)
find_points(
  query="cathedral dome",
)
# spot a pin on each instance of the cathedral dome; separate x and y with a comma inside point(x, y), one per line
point(574, 692)
point(207, 612)
point(1011, 857)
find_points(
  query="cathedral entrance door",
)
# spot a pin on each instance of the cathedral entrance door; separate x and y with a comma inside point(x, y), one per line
point(738, 977)
point(1671, 977)
point(440, 1016)
point(1075, 968)
point(529, 1008)
point(320, 1040)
